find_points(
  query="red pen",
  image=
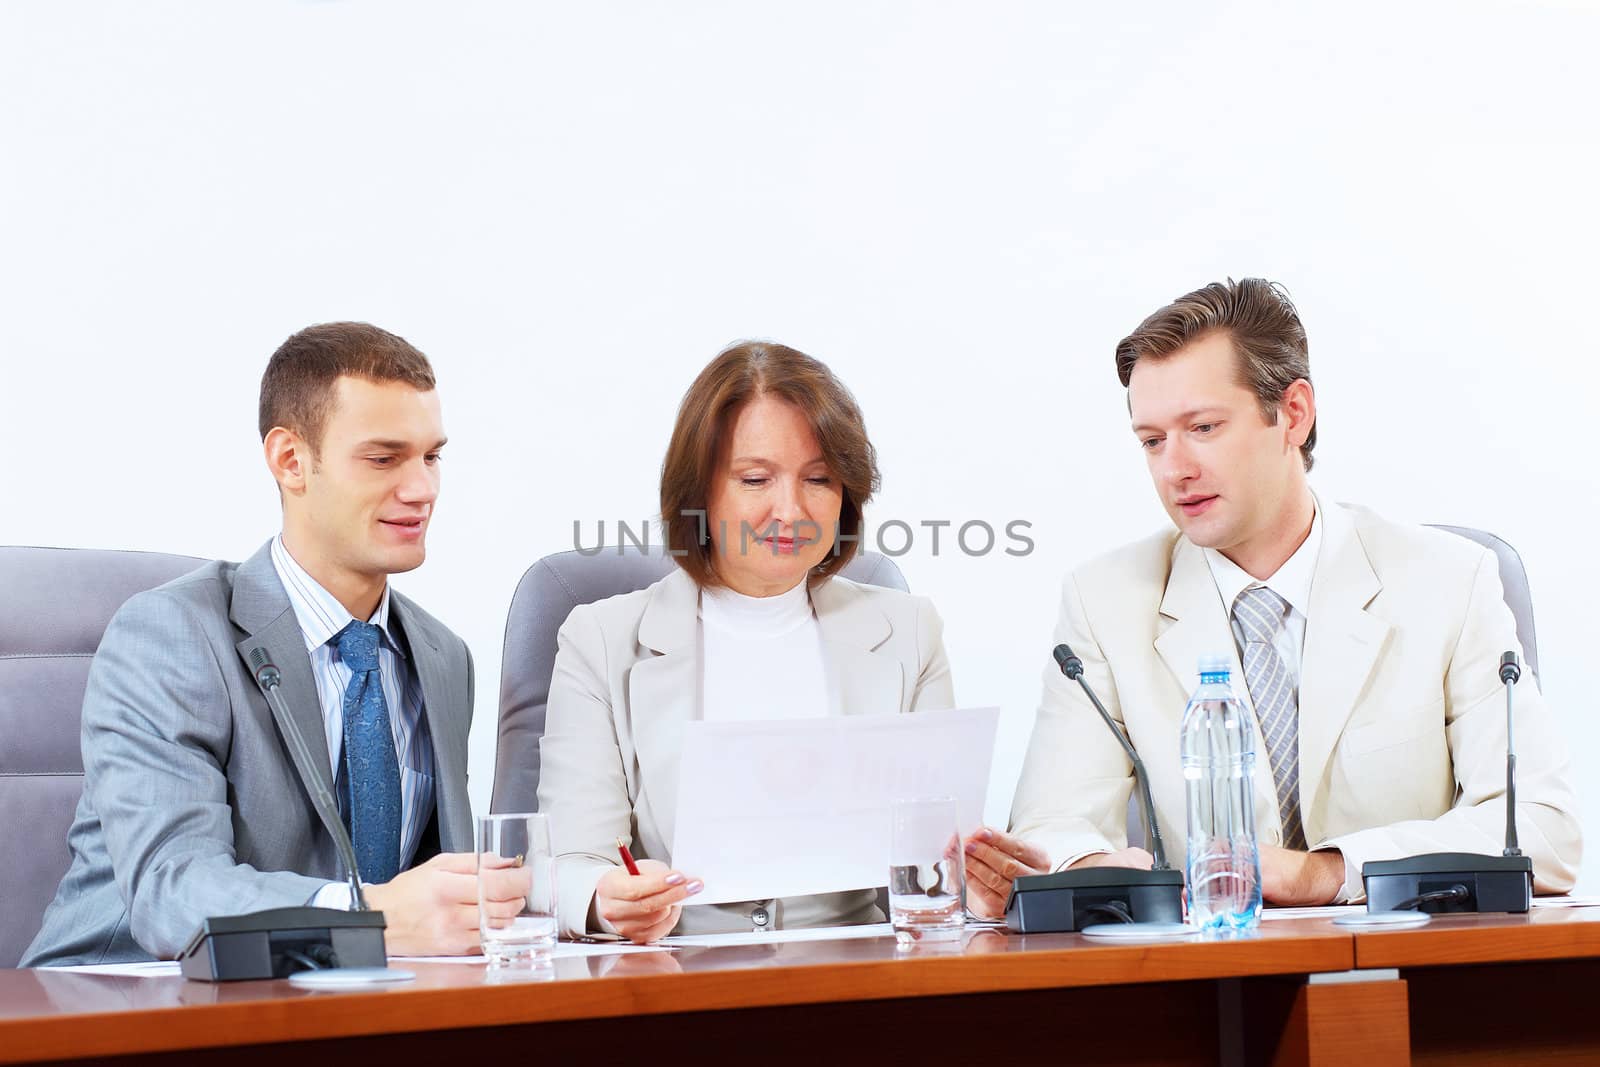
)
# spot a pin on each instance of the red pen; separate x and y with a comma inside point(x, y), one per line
point(627, 857)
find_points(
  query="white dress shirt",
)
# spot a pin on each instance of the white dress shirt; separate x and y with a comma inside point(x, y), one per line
point(321, 618)
point(1292, 581)
point(763, 656)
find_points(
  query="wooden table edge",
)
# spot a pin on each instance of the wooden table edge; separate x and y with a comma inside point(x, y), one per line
point(1432, 946)
point(412, 1010)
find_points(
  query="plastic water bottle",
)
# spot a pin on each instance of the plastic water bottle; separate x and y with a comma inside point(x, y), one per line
point(1219, 759)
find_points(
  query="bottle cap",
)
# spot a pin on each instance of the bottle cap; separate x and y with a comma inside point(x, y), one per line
point(1214, 664)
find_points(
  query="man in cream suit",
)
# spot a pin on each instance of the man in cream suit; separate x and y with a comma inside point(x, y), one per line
point(192, 806)
point(1369, 649)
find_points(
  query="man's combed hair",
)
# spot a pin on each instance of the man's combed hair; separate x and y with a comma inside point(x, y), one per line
point(704, 432)
point(297, 387)
point(1260, 319)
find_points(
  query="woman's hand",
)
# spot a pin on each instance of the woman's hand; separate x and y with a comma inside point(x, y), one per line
point(643, 907)
point(994, 861)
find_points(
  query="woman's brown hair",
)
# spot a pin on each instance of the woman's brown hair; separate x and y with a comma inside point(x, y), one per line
point(702, 435)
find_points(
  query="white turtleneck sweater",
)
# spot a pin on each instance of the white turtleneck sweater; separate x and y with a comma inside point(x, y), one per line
point(763, 656)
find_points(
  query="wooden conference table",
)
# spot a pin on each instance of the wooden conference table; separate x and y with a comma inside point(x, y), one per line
point(1464, 989)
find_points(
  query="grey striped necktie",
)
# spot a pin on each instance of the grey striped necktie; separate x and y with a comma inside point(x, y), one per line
point(1260, 613)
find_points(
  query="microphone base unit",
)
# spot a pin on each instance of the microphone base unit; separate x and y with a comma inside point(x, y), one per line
point(283, 941)
point(1492, 883)
point(1067, 901)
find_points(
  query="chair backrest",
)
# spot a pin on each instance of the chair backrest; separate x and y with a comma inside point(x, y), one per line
point(1518, 597)
point(55, 607)
point(547, 593)
point(1514, 580)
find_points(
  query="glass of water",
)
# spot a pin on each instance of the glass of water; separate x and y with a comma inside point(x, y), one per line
point(927, 875)
point(515, 859)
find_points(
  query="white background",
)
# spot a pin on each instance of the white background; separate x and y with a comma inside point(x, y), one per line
point(960, 207)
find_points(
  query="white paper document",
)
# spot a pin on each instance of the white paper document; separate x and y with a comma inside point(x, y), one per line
point(564, 950)
point(1321, 911)
point(146, 969)
point(776, 937)
point(1566, 902)
point(778, 809)
point(1334, 911)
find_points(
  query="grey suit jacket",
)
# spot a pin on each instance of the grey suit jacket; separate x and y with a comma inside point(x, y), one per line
point(191, 805)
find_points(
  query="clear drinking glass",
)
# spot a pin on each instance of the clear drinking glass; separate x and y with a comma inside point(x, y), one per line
point(515, 848)
point(927, 875)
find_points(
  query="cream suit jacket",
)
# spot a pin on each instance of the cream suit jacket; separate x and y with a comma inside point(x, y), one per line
point(628, 677)
point(1402, 713)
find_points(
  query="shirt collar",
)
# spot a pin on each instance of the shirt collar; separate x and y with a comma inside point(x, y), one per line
point(319, 613)
point(1292, 580)
point(752, 617)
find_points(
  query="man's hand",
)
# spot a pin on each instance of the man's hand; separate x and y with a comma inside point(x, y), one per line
point(432, 909)
point(1301, 878)
point(643, 908)
point(994, 861)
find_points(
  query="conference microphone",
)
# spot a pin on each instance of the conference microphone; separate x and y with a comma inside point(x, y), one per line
point(269, 679)
point(1072, 667)
point(1462, 881)
point(1510, 675)
point(1070, 900)
point(283, 941)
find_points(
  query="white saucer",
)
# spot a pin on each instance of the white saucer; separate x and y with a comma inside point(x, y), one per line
point(350, 977)
point(1387, 920)
point(1139, 931)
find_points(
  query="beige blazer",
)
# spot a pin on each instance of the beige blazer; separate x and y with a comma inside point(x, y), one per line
point(628, 677)
point(1402, 714)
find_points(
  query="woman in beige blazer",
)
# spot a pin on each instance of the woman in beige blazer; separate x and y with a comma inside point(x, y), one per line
point(762, 491)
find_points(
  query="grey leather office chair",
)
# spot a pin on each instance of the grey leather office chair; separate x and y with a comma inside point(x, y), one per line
point(54, 609)
point(1514, 579)
point(547, 593)
point(1518, 597)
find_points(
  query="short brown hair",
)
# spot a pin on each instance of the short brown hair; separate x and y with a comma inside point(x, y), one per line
point(702, 433)
point(297, 387)
point(1265, 329)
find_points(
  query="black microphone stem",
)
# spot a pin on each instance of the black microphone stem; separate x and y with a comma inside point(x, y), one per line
point(268, 678)
point(1510, 673)
point(1072, 667)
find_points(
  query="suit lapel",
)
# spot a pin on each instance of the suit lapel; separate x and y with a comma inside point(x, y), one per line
point(1342, 646)
point(1197, 624)
point(860, 681)
point(1196, 620)
point(664, 691)
point(447, 719)
point(261, 609)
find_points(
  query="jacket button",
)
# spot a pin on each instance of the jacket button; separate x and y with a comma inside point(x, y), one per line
point(760, 917)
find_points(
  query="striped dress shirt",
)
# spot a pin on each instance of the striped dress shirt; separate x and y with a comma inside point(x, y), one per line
point(321, 617)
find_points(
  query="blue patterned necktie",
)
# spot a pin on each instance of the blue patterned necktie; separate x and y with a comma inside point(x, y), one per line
point(372, 772)
point(1260, 613)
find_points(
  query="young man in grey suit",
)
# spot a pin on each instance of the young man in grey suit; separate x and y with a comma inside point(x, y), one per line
point(192, 806)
